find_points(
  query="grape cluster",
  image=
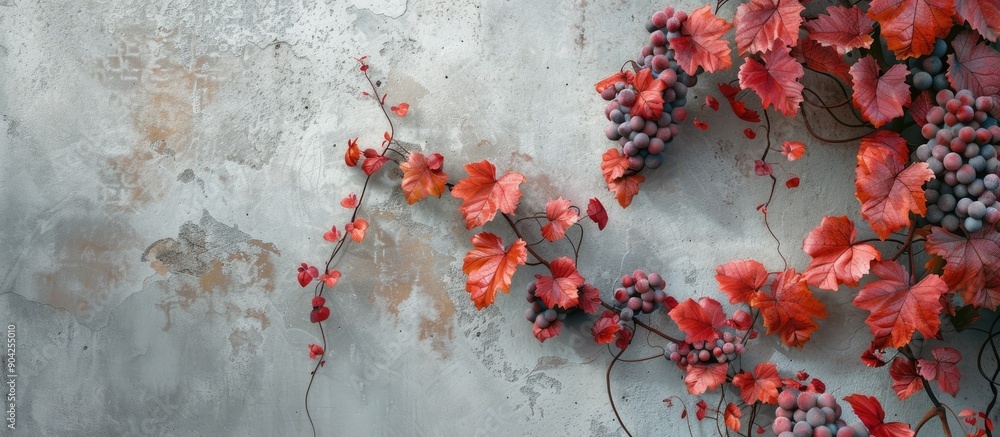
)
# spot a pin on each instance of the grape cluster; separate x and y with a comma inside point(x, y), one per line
point(642, 140)
point(961, 151)
point(539, 314)
point(928, 72)
point(639, 293)
point(805, 414)
point(722, 350)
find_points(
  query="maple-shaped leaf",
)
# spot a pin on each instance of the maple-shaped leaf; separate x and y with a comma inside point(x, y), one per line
point(761, 385)
point(943, 369)
point(702, 377)
point(789, 308)
point(625, 188)
point(613, 164)
point(560, 289)
point(597, 213)
point(887, 188)
point(740, 279)
point(353, 153)
point(898, 308)
point(836, 258)
point(972, 264)
point(649, 97)
point(870, 411)
point(623, 339)
point(625, 76)
point(546, 333)
point(373, 161)
point(982, 15)
point(761, 25)
point(732, 417)
point(741, 321)
point(776, 81)
point(605, 328)
point(560, 217)
point(880, 98)
point(589, 299)
point(490, 267)
point(820, 58)
point(905, 381)
point(921, 105)
point(974, 66)
point(842, 28)
point(484, 195)
point(419, 180)
point(699, 322)
point(910, 27)
point(701, 44)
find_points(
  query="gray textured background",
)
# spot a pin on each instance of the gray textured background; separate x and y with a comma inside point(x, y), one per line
point(165, 166)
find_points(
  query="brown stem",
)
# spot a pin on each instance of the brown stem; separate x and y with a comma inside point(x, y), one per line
point(607, 381)
point(909, 240)
point(530, 250)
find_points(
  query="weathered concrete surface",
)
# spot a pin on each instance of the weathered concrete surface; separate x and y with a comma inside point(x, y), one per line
point(165, 166)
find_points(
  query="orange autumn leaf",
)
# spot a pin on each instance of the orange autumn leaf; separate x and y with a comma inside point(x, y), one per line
point(353, 153)
point(357, 229)
point(625, 188)
point(700, 320)
point(789, 308)
point(732, 417)
point(562, 288)
point(613, 164)
point(905, 380)
point(419, 180)
point(897, 308)
point(842, 28)
point(836, 258)
point(776, 81)
point(880, 98)
point(761, 25)
point(648, 98)
point(702, 377)
point(740, 279)
point(910, 27)
point(490, 267)
point(626, 77)
point(484, 195)
point(560, 217)
point(972, 264)
point(350, 201)
point(943, 369)
point(793, 149)
point(870, 412)
point(887, 188)
point(373, 161)
point(701, 44)
point(543, 334)
point(761, 385)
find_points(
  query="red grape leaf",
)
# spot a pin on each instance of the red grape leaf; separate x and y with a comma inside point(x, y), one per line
point(843, 28)
point(789, 308)
point(732, 417)
point(880, 98)
point(626, 76)
point(490, 267)
point(597, 213)
point(910, 27)
point(697, 322)
point(419, 180)
point(943, 369)
point(701, 43)
point(793, 149)
point(974, 66)
point(373, 161)
point(887, 189)
point(870, 411)
point(822, 59)
point(560, 289)
point(776, 81)
point(761, 385)
point(905, 380)
point(761, 25)
point(648, 98)
point(589, 298)
point(625, 188)
point(972, 265)
point(740, 279)
point(921, 105)
point(702, 377)
point(483, 194)
point(552, 330)
point(560, 217)
point(613, 164)
point(898, 308)
point(982, 15)
point(605, 328)
point(623, 339)
point(353, 153)
point(836, 258)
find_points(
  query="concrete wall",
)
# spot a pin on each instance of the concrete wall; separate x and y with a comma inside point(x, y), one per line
point(165, 166)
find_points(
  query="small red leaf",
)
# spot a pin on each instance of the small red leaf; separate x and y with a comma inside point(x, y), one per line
point(560, 217)
point(319, 314)
point(700, 124)
point(589, 299)
point(605, 328)
point(792, 182)
point(315, 350)
point(401, 109)
point(905, 380)
point(552, 330)
point(597, 213)
point(350, 201)
point(330, 278)
point(306, 274)
point(712, 103)
point(750, 133)
point(353, 153)
point(732, 417)
point(332, 235)
point(880, 98)
point(870, 411)
point(793, 149)
point(490, 267)
point(623, 339)
point(761, 168)
point(560, 289)
point(943, 369)
point(622, 76)
point(702, 410)
point(357, 229)
point(373, 161)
